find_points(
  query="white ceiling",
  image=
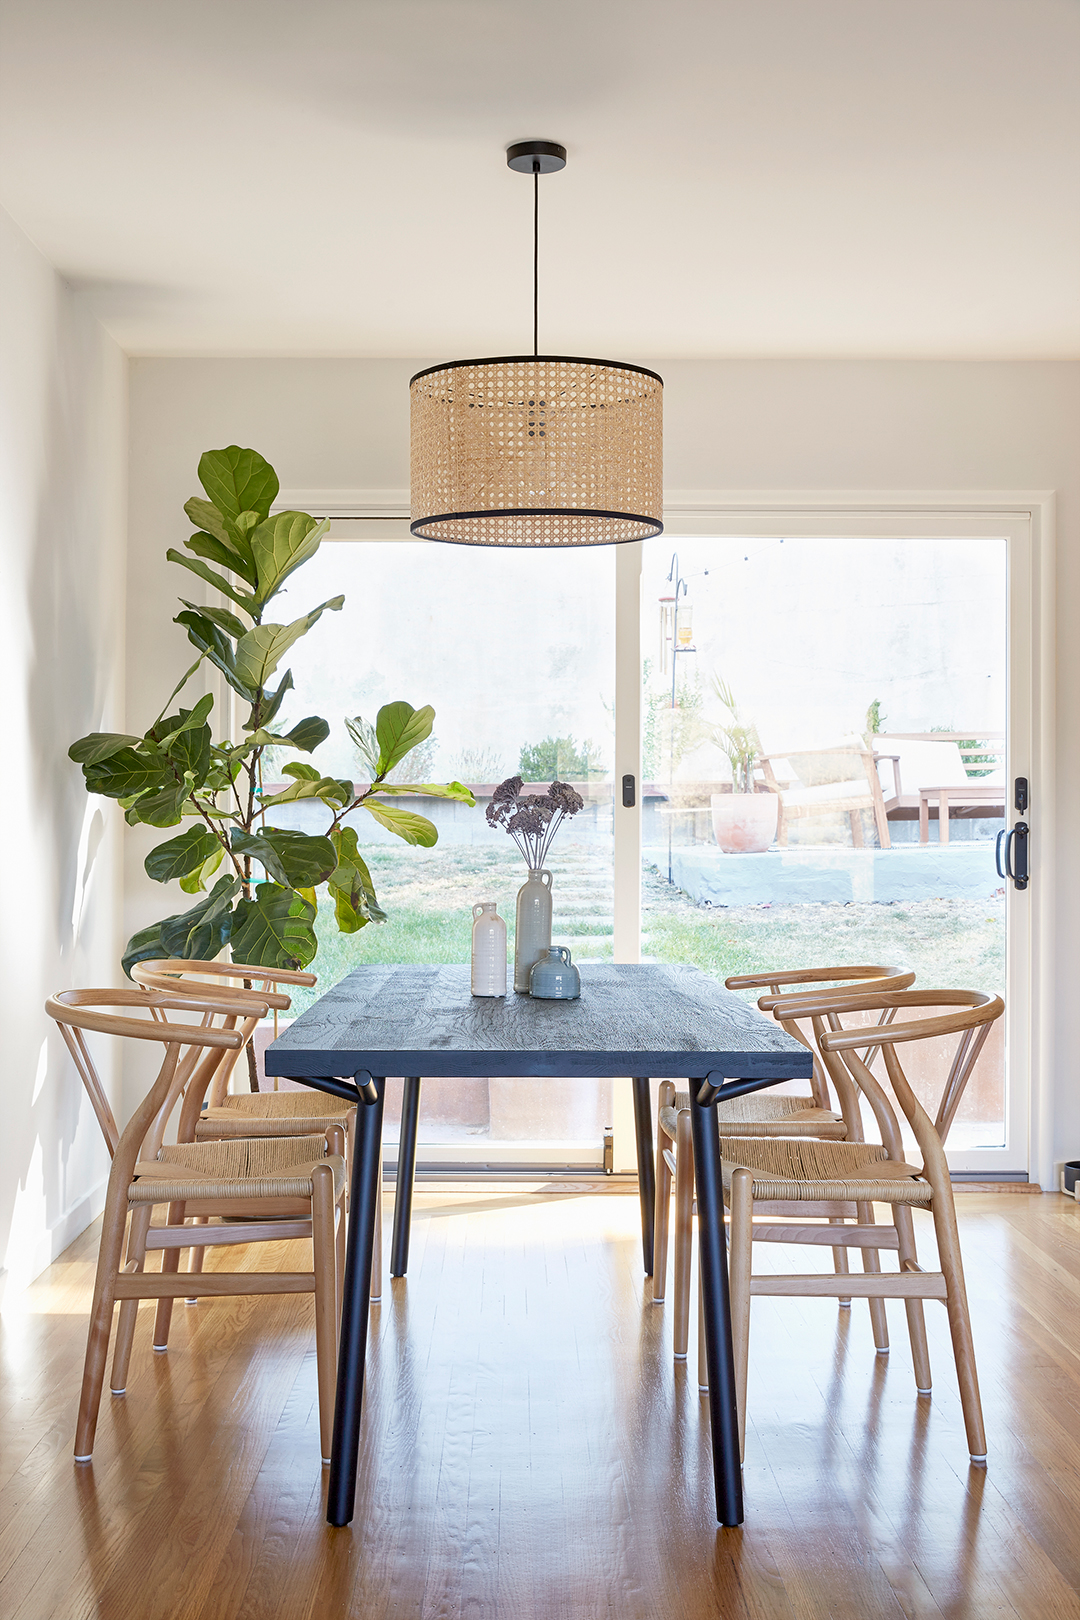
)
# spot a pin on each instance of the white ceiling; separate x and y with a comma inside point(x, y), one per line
point(746, 177)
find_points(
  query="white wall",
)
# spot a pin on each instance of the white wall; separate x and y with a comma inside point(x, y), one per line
point(745, 425)
point(62, 499)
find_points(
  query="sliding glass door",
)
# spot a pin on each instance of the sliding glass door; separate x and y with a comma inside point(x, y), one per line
point(820, 733)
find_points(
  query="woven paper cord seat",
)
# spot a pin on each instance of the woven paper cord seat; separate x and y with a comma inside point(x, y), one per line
point(271, 1113)
point(808, 1171)
point(756, 1115)
point(249, 1168)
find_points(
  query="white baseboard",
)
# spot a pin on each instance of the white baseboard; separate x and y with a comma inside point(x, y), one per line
point(51, 1243)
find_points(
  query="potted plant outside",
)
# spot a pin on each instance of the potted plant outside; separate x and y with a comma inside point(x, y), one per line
point(744, 821)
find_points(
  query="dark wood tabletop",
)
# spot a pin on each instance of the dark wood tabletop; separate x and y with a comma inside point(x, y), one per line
point(670, 1022)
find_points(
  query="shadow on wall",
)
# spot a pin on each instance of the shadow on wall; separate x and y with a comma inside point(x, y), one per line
point(61, 570)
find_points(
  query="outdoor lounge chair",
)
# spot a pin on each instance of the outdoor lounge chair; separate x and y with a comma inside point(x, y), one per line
point(825, 781)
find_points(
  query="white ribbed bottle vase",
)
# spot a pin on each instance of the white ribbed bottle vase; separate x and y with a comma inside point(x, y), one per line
point(488, 951)
point(532, 933)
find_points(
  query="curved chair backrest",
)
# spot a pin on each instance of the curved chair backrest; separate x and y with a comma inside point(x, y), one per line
point(77, 1011)
point(174, 973)
point(966, 1013)
point(847, 979)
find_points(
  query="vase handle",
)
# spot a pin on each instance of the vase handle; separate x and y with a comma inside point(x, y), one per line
point(478, 911)
point(544, 873)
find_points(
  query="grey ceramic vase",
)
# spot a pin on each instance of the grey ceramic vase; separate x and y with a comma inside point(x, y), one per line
point(532, 931)
point(554, 977)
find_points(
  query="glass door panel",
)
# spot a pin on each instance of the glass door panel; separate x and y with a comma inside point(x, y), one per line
point(515, 652)
point(802, 700)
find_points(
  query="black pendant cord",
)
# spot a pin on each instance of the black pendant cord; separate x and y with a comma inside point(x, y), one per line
point(536, 256)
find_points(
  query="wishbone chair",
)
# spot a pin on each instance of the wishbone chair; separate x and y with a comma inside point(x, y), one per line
point(215, 1114)
point(264, 1191)
point(804, 1179)
point(759, 1114)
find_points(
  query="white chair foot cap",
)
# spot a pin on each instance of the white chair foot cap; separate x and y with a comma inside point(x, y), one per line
point(160, 1349)
point(845, 1304)
point(703, 1389)
point(882, 1350)
point(658, 1299)
point(680, 1355)
point(923, 1391)
point(980, 1462)
point(88, 1458)
point(118, 1391)
point(326, 1462)
point(194, 1300)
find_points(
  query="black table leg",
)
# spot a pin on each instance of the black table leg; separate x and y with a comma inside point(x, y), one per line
point(723, 1413)
point(645, 1168)
point(406, 1171)
point(352, 1347)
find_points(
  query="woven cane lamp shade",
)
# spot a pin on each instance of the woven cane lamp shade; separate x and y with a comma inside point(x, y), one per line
point(537, 450)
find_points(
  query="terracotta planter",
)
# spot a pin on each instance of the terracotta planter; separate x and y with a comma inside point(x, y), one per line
point(744, 823)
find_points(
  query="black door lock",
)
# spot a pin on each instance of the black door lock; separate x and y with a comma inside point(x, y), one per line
point(628, 796)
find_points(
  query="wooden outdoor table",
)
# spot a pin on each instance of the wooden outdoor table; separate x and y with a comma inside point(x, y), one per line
point(644, 1022)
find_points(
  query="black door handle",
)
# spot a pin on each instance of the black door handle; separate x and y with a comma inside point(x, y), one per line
point(1016, 861)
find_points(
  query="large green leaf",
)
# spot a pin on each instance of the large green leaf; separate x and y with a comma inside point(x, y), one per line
point(276, 929)
point(399, 727)
point(224, 620)
point(202, 932)
point(162, 808)
point(205, 545)
point(280, 545)
point(238, 481)
point(215, 644)
point(218, 581)
point(195, 882)
point(332, 790)
point(182, 855)
point(260, 650)
point(365, 742)
point(355, 902)
point(305, 735)
point(100, 745)
point(230, 533)
point(308, 734)
point(430, 790)
point(186, 738)
point(405, 823)
point(129, 771)
point(271, 703)
point(198, 933)
point(167, 727)
point(297, 860)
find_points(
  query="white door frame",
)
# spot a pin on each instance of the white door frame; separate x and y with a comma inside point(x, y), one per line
point(1026, 519)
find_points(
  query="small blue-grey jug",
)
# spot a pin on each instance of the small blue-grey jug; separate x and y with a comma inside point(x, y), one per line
point(554, 977)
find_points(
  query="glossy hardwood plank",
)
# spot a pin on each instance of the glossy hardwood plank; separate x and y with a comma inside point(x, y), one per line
point(532, 1451)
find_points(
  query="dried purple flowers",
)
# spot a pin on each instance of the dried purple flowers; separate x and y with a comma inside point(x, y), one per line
point(532, 819)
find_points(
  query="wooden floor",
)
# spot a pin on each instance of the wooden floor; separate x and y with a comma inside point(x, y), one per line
point(531, 1450)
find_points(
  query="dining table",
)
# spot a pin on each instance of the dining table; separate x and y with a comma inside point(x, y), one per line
point(642, 1021)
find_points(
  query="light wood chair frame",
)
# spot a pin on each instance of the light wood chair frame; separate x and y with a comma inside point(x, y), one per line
point(205, 1117)
point(844, 1051)
point(275, 1212)
point(815, 1117)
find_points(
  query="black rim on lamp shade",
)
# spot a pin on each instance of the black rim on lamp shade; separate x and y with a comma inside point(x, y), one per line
point(536, 450)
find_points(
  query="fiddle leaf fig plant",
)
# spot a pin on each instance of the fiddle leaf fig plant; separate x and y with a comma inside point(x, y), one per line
point(176, 773)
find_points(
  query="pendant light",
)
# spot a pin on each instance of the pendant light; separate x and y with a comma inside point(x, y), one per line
point(540, 449)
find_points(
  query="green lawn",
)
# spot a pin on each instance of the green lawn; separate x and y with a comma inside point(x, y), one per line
point(429, 894)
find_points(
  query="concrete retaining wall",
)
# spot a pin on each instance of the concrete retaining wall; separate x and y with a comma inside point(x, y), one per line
point(800, 876)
